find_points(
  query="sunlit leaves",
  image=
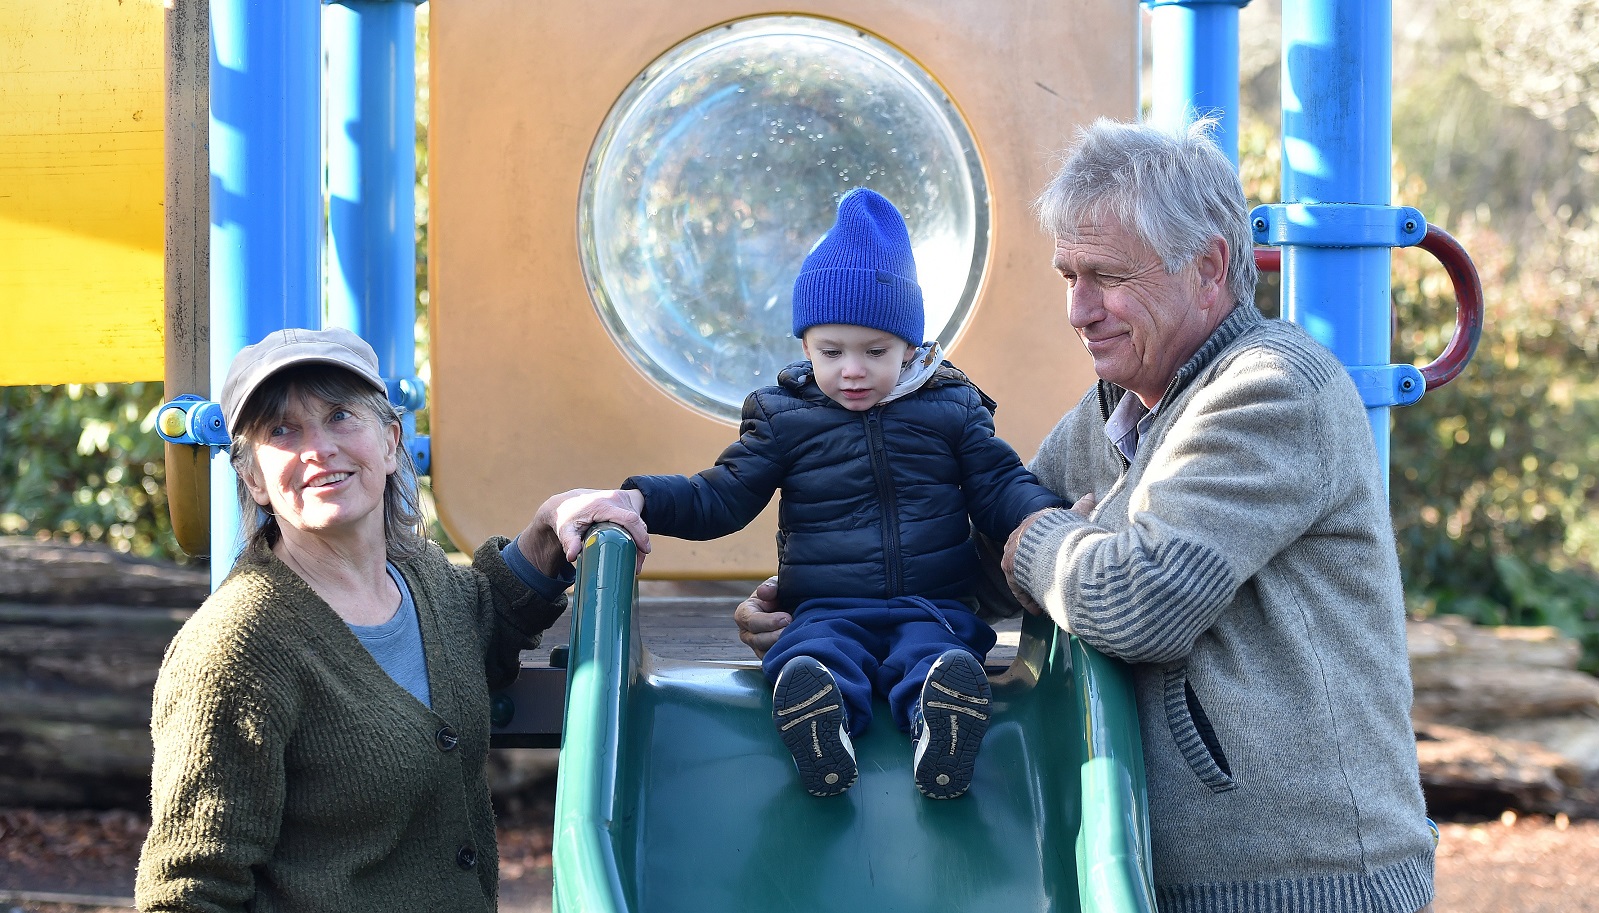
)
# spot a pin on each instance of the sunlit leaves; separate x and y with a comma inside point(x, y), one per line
point(81, 463)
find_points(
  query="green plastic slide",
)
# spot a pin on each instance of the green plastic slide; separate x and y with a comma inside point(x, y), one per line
point(675, 793)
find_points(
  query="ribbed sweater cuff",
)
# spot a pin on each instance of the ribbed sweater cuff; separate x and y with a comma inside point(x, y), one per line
point(550, 588)
point(1404, 886)
point(1039, 551)
point(529, 611)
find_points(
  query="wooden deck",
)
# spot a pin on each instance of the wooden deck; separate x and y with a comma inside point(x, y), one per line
point(692, 621)
point(695, 621)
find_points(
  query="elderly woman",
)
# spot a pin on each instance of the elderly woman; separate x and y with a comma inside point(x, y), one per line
point(321, 723)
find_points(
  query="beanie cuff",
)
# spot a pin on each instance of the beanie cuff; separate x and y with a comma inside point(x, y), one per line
point(859, 297)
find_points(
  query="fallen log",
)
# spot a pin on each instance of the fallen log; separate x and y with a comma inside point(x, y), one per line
point(83, 631)
point(75, 685)
point(56, 573)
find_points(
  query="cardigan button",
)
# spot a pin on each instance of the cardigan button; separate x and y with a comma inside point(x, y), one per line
point(466, 858)
point(447, 739)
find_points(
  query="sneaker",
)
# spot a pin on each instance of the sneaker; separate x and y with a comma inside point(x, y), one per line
point(948, 724)
point(809, 712)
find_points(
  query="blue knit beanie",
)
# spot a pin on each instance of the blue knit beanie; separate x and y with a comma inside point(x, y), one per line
point(861, 272)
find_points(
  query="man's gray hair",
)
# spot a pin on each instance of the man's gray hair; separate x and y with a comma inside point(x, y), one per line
point(1174, 191)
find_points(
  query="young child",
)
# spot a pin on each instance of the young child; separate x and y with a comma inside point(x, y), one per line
point(886, 456)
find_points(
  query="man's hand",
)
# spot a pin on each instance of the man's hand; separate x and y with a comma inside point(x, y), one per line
point(1083, 508)
point(759, 622)
point(555, 536)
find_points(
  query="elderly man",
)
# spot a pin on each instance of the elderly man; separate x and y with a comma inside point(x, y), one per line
point(1230, 540)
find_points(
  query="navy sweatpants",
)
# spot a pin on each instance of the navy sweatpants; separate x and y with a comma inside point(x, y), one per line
point(879, 646)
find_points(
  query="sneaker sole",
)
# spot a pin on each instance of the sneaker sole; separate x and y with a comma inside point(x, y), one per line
point(809, 713)
point(955, 705)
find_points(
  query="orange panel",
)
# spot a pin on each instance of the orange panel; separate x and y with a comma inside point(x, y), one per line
point(530, 395)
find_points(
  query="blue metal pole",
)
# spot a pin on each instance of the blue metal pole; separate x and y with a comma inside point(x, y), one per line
point(1337, 139)
point(266, 210)
point(1195, 45)
point(371, 115)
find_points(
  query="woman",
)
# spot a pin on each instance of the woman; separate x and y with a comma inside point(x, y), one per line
point(321, 723)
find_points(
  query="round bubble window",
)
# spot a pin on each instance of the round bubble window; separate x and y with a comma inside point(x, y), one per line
point(723, 163)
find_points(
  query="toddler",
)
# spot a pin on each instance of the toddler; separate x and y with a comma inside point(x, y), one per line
point(886, 456)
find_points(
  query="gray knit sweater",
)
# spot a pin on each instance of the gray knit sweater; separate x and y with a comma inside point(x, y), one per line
point(1244, 565)
point(292, 773)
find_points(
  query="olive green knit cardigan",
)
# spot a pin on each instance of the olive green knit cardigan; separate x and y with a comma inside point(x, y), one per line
point(292, 773)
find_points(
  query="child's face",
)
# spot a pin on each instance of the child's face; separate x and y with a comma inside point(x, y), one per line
point(855, 366)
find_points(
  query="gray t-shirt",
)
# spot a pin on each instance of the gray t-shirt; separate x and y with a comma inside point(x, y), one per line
point(397, 644)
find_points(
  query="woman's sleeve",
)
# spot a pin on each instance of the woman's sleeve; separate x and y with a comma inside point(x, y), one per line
point(513, 616)
point(217, 782)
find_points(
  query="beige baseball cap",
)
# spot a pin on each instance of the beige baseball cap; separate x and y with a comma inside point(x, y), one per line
point(288, 348)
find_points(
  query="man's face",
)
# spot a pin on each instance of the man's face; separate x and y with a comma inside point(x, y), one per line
point(1139, 322)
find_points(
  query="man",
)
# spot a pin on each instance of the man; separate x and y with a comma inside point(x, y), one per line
point(1230, 540)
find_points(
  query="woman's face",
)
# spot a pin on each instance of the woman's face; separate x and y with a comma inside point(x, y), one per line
point(323, 466)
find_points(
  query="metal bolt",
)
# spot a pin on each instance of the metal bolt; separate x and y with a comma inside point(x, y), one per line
point(1260, 224)
point(171, 421)
point(1410, 225)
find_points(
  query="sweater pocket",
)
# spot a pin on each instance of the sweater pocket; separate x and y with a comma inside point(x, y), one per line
point(1195, 736)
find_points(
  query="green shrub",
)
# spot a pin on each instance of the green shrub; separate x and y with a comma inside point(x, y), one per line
point(83, 463)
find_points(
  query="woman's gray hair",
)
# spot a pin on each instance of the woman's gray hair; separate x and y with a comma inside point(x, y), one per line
point(402, 507)
point(1174, 191)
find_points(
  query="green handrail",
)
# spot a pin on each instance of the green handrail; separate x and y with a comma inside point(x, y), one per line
point(1113, 870)
point(588, 875)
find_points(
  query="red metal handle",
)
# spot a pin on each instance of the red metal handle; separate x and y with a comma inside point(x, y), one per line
point(1468, 301)
point(1468, 306)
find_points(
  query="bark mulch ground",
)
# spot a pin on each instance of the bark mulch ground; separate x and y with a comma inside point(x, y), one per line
point(1530, 864)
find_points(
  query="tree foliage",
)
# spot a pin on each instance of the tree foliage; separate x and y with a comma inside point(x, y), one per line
point(1492, 477)
point(1496, 476)
point(83, 463)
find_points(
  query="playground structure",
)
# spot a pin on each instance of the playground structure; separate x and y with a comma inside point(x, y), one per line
point(674, 794)
point(649, 745)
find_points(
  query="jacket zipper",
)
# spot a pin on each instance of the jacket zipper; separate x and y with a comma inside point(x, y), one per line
point(885, 496)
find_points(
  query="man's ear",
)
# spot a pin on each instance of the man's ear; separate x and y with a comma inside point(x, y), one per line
point(1212, 267)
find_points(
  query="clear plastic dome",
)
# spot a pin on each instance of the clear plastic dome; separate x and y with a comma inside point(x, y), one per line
point(723, 163)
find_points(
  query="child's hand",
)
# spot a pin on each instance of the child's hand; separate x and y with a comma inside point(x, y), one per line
point(758, 619)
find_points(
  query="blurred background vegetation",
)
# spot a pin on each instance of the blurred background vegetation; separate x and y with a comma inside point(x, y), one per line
point(1496, 139)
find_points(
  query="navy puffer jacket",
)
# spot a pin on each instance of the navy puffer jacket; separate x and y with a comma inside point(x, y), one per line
point(875, 504)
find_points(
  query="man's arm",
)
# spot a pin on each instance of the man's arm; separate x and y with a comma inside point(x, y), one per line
point(1084, 508)
point(1237, 479)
